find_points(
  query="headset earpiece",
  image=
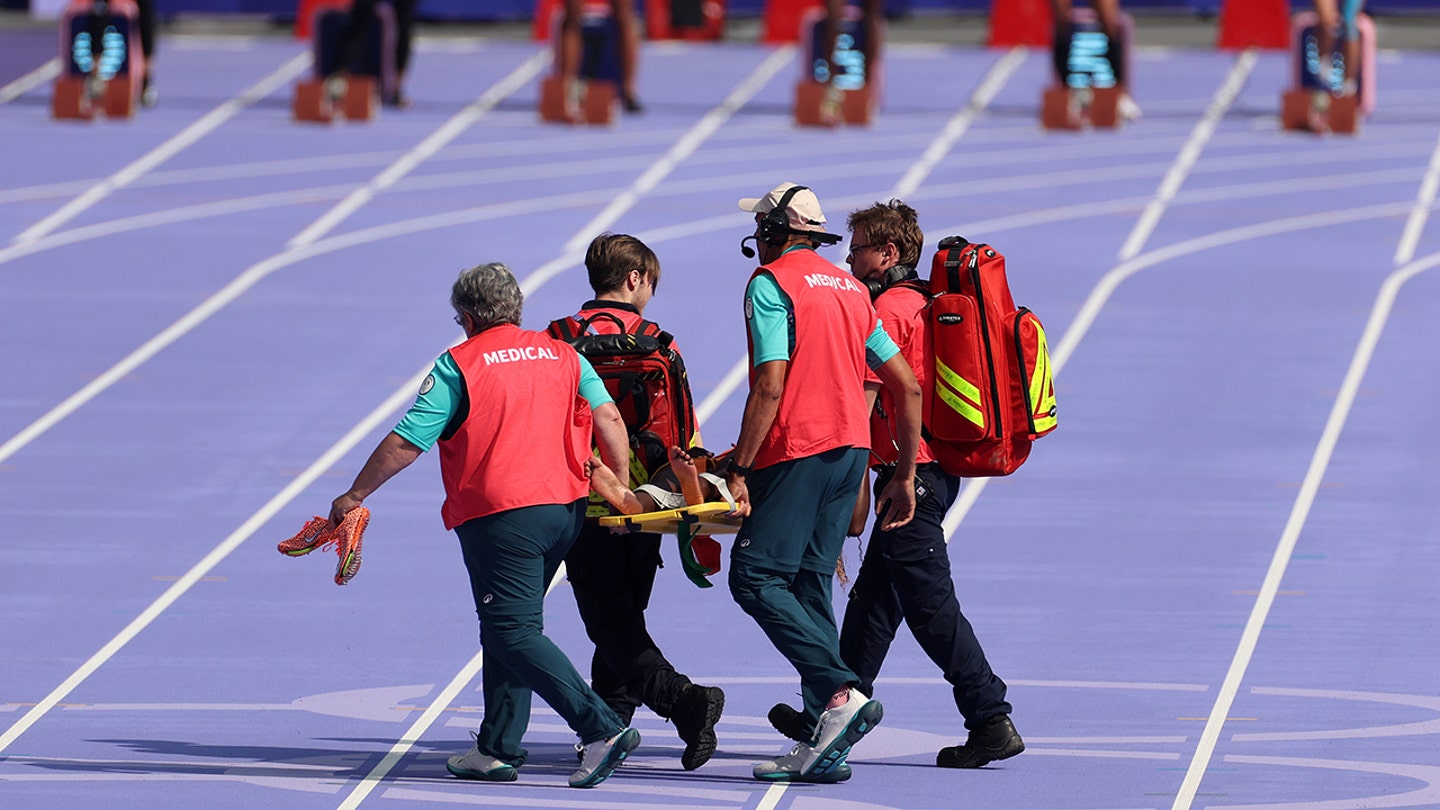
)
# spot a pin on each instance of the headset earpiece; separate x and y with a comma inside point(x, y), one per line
point(888, 279)
point(774, 227)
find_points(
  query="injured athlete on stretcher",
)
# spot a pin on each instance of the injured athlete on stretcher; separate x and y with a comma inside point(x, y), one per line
point(686, 481)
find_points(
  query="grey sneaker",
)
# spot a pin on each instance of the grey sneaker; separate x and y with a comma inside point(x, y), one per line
point(793, 768)
point(475, 765)
point(602, 758)
point(843, 726)
point(790, 767)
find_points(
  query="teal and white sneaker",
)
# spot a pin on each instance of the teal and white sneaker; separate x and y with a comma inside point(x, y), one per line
point(800, 765)
point(481, 767)
point(602, 758)
point(840, 728)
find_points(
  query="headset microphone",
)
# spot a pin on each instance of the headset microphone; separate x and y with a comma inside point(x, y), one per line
point(746, 250)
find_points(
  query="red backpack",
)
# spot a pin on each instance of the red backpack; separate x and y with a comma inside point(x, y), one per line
point(991, 392)
point(646, 378)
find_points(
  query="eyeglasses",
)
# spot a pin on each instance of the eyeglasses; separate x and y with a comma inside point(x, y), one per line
point(459, 320)
point(857, 248)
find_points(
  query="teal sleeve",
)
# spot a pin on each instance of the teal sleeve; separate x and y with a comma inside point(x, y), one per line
point(770, 317)
point(592, 388)
point(879, 348)
point(435, 406)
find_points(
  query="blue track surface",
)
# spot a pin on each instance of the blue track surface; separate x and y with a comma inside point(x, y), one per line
point(1213, 586)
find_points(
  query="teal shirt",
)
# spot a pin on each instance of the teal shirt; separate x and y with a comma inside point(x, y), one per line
point(442, 390)
point(770, 317)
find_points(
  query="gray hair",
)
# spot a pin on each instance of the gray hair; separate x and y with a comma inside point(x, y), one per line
point(489, 294)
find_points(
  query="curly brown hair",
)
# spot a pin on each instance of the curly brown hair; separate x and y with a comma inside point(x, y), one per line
point(892, 221)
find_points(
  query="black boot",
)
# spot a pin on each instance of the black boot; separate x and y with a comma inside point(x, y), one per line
point(791, 723)
point(695, 714)
point(995, 739)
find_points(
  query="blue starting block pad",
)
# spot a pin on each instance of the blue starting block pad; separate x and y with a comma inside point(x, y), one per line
point(1086, 90)
point(103, 64)
point(841, 88)
point(1315, 100)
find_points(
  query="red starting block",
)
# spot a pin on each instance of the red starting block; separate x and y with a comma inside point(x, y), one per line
point(104, 66)
point(843, 88)
point(590, 96)
point(1087, 92)
point(1311, 103)
point(342, 85)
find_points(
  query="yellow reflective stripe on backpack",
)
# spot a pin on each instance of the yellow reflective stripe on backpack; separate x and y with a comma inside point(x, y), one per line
point(964, 388)
point(1042, 388)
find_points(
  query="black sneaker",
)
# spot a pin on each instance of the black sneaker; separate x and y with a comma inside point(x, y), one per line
point(791, 723)
point(696, 712)
point(630, 104)
point(996, 739)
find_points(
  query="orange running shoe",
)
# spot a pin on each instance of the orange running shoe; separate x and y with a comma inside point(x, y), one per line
point(307, 540)
point(348, 537)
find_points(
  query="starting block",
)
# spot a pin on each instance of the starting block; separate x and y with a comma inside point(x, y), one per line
point(341, 89)
point(1310, 103)
point(103, 63)
point(842, 88)
point(1088, 91)
point(589, 97)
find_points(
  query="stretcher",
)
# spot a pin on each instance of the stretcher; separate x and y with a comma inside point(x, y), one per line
point(692, 527)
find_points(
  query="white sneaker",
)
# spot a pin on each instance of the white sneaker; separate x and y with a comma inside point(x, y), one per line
point(485, 768)
point(799, 766)
point(788, 768)
point(602, 758)
point(841, 727)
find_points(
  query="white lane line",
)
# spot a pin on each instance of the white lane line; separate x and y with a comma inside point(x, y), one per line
point(959, 124)
point(437, 140)
point(253, 275)
point(201, 568)
point(417, 729)
point(1190, 154)
point(182, 140)
point(30, 81)
point(1300, 510)
point(1421, 213)
point(573, 253)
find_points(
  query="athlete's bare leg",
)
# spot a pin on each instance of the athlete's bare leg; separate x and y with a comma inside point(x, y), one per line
point(687, 474)
point(629, 51)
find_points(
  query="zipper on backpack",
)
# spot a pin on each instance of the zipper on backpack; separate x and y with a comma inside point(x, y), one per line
point(985, 331)
point(1024, 372)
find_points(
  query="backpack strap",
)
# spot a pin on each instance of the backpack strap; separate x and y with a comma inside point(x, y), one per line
point(584, 326)
point(566, 329)
point(915, 284)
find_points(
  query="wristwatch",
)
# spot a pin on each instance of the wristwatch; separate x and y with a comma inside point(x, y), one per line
point(736, 468)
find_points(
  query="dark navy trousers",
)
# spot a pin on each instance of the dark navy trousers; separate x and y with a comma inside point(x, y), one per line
point(905, 577)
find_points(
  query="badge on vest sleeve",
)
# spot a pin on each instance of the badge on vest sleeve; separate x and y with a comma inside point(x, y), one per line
point(427, 384)
point(749, 308)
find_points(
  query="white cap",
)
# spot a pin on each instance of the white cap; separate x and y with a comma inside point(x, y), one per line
point(803, 208)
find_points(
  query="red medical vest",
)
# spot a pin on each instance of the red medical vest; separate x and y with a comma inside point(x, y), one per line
point(527, 434)
point(900, 309)
point(823, 405)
